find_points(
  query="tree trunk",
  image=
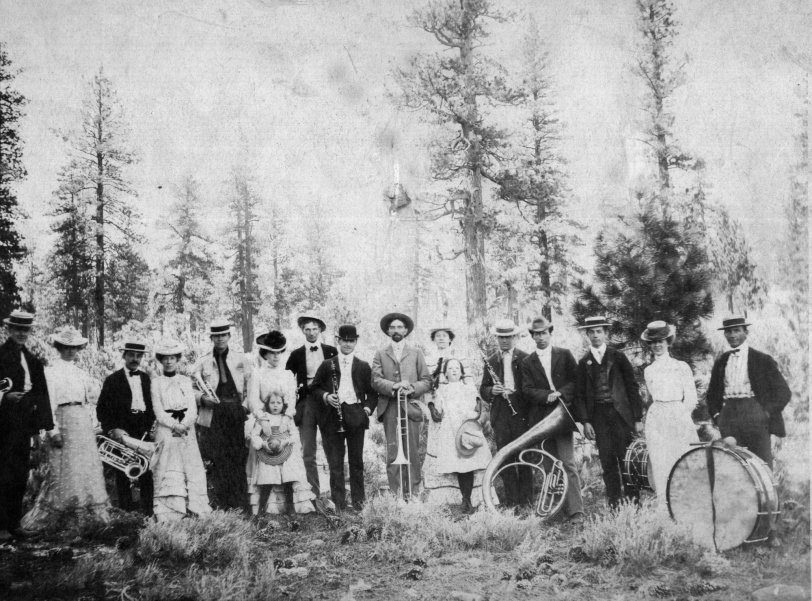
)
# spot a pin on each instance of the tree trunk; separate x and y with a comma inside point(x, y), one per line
point(248, 299)
point(100, 251)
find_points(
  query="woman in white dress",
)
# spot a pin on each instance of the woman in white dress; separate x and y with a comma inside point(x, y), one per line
point(275, 453)
point(73, 474)
point(179, 475)
point(669, 427)
point(455, 462)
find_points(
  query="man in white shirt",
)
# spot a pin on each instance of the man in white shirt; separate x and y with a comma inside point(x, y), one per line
point(344, 384)
point(548, 377)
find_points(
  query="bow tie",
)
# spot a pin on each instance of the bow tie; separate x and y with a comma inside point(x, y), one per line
point(313, 349)
point(735, 351)
point(135, 372)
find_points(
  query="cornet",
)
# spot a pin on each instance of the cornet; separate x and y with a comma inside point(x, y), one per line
point(205, 388)
point(403, 432)
point(134, 457)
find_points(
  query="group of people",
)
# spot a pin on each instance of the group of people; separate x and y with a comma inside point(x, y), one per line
point(241, 432)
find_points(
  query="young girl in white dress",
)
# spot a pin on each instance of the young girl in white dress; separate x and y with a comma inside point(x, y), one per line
point(275, 455)
point(669, 427)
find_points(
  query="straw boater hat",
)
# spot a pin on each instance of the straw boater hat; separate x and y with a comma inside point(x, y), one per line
point(275, 457)
point(20, 319)
point(168, 347)
point(543, 327)
point(447, 329)
point(68, 336)
point(658, 330)
point(734, 322)
point(134, 345)
point(596, 321)
point(469, 437)
point(310, 316)
point(220, 326)
point(390, 317)
point(505, 327)
point(347, 332)
point(273, 341)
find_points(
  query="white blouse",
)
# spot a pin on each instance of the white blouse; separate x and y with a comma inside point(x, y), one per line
point(173, 394)
point(268, 380)
point(669, 380)
point(69, 384)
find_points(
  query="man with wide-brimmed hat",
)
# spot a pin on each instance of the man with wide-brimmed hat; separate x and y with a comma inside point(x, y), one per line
point(508, 414)
point(747, 392)
point(125, 408)
point(24, 410)
point(226, 372)
point(608, 404)
point(548, 378)
point(344, 384)
point(310, 411)
point(400, 367)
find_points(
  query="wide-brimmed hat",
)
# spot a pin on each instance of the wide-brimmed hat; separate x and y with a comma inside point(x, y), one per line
point(543, 326)
point(505, 327)
point(447, 329)
point(734, 322)
point(134, 345)
point(68, 336)
point(390, 317)
point(278, 458)
point(347, 332)
point(658, 330)
point(220, 326)
point(20, 319)
point(311, 316)
point(595, 321)
point(273, 341)
point(168, 347)
point(469, 437)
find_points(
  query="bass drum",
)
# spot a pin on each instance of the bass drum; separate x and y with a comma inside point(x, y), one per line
point(636, 466)
point(725, 495)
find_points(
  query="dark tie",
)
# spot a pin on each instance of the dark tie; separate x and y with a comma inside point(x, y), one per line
point(735, 351)
point(134, 373)
point(313, 349)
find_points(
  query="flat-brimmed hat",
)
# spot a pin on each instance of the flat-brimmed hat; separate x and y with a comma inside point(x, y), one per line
point(20, 319)
point(469, 437)
point(447, 329)
point(347, 332)
point(543, 327)
point(168, 347)
point(311, 316)
point(133, 345)
point(272, 458)
point(274, 341)
point(658, 330)
point(68, 336)
point(390, 317)
point(505, 327)
point(220, 326)
point(596, 321)
point(734, 322)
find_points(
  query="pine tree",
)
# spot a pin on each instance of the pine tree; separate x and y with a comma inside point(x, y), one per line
point(126, 286)
point(11, 171)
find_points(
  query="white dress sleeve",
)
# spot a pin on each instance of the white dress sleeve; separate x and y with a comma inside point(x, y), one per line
point(161, 416)
point(191, 407)
point(688, 387)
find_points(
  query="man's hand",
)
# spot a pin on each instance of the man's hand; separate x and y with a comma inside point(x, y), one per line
point(208, 401)
point(498, 390)
point(638, 428)
point(553, 397)
point(332, 399)
point(436, 415)
point(118, 434)
point(589, 432)
point(56, 440)
point(14, 397)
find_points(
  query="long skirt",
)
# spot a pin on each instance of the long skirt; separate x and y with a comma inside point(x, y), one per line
point(669, 433)
point(73, 476)
point(179, 477)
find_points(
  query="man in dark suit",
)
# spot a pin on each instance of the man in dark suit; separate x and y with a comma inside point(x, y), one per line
point(354, 400)
point(304, 362)
point(24, 410)
point(548, 376)
point(747, 393)
point(508, 410)
point(125, 408)
point(608, 404)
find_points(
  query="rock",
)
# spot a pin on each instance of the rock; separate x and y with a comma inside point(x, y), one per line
point(463, 596)
point(416, 573)
point(360, 585)
point(780, 592)
point(300, 558)
point(316, 542)
point(294, 572)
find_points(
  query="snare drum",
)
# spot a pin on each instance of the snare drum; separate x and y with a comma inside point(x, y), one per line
point(637, 471)
point(726, 495)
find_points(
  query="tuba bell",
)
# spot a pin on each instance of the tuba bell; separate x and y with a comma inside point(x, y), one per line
point(134, 457)
point(553, 481)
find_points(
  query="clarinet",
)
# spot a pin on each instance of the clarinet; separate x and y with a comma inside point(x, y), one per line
point(335, 391)
point(496, 380)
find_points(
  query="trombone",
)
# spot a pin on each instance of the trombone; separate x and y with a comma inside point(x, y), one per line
point(403, 432)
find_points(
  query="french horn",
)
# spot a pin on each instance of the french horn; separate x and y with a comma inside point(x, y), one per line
point(134, 457)
point(548, 470)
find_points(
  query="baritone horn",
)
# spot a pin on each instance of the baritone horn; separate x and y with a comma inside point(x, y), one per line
point(547, 469)
point(403, 432)
point(134, 457)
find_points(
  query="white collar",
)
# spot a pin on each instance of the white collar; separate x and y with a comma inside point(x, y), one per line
point(510, 352)
point(545, 351)
point(598, 351)
point(398, 346)
point(343, 358)
point(742, 348)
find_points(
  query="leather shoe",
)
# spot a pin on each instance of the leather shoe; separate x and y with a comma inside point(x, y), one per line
point(5, 536)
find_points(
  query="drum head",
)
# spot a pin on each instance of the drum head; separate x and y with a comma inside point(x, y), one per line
point(721, 514)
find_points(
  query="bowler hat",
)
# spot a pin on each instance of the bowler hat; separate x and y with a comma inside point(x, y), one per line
point(658, 330)
point(446, 329)
point(734, 322)
point(311, 316)
point(20, 319)
point(595, 321)
point(505, 327)
point(347, 332)
point(274, 341)
point(220, 326)
point(469, 437)
point(68, 336)
point(543, 325)
point(390, 317)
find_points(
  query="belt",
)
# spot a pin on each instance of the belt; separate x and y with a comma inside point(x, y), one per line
point(739, 398)
point(605, 402)
point(178, 414)
point(137, 412)
point(70, 404)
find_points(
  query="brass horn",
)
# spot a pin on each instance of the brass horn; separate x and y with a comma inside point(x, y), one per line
point(554, 481)
point(134, 457)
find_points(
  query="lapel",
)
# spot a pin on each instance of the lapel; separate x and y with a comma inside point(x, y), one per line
point(537, 364)
point(609, 357)
point(126, 393)
point(555, 357)
point(391, 352)
point(515, 365)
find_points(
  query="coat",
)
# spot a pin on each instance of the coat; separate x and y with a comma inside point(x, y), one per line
point(486, 387)
point(115, 404)
point(769, 387)
point(238, 365)
point(624, 388)
point(536, 384)
point(387, 371)
point(297, 363)
point(361, 381)
point(33, 411)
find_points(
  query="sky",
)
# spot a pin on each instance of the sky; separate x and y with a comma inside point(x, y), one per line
point(301, 93)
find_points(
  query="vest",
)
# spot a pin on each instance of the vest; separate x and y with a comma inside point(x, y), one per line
point(603, 393)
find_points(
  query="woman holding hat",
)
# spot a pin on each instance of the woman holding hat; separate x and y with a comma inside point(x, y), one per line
point(179, 476)
point(458, 452)
point(669, 427)
point(275, 453)
point(73, 473)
